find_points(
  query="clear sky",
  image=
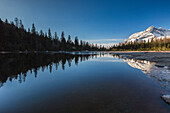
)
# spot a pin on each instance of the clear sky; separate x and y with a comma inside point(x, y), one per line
point(98, 21)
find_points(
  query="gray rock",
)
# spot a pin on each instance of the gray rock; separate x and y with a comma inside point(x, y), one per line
point(166, 98)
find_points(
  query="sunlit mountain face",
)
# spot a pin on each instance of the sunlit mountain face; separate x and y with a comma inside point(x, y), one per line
point(148, 34)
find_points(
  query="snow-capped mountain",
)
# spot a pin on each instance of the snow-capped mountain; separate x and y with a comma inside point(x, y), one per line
point(148, 34)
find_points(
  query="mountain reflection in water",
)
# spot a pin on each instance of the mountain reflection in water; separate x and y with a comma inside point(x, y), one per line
point(161, 75)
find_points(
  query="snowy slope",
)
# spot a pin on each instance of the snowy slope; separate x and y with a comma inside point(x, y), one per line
point(148, 34)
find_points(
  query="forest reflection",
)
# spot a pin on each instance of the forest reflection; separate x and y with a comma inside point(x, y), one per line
point(16, 66)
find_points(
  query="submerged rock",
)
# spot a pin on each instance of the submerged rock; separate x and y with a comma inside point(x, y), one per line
point(166, 98)
point(158, 65)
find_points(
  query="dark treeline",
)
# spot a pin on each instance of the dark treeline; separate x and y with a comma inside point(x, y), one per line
point(16, 66)
point(154, 44)
point(14, 37)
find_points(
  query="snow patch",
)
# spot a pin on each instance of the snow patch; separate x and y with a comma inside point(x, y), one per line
point(166, 98)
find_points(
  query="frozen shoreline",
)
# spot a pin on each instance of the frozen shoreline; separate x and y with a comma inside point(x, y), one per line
point(162, 59)
point(155, 64)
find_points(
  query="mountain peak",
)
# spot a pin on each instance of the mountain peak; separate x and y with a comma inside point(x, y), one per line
point(150, 28)
point(148, 34)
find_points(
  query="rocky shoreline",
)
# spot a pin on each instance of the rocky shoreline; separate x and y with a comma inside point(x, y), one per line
point(161, 59)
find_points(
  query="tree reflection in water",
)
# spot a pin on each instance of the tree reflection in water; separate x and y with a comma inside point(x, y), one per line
point(16, 66)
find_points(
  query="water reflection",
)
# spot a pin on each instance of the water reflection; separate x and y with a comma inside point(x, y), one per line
point(145, 66)
point(158, 74)
point(16, 66)
point(99, 84)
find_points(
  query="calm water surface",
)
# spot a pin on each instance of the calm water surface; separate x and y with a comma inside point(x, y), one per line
point(66, 83)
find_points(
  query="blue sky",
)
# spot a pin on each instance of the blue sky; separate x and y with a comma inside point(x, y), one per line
point(97, 21)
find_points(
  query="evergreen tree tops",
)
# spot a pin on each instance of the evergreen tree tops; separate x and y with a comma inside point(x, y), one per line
point(14, 37)
point(156, 44)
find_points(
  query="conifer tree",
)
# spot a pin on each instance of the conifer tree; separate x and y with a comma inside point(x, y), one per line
point(41, 33)
point(55, 36)
point(29, 30)
point(6, 21)
point(12, 23)
point(81, 43)
point(21, 25)
point(69, 40)
point(165, 39)
point(56, 40)
point(76, 41)
point(63, 40)
point(16, 22)
point(33, 29)
point(45, 34)
point(49, 33)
